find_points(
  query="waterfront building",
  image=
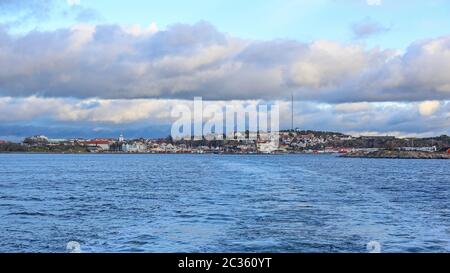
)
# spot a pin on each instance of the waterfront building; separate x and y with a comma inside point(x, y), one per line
point(136, 147)
point(98, 145)
point(57, 141)
point(419, 149)
point(267, 147)
point(36, 140)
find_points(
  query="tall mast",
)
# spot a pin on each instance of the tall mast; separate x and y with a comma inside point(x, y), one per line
point(292, 111)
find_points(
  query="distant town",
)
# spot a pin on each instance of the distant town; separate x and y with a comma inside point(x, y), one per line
point(291, 141)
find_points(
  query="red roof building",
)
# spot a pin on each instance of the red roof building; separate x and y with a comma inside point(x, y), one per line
point(97, 142)
point(95, 145)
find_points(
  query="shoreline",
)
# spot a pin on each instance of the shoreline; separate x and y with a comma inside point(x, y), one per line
point(382, 154)
point(137, 153)
point(389, 154)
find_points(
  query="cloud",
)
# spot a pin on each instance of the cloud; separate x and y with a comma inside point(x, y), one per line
point(400, 119)
point(80, 13)
point(31, 7)
point(138, 30)
point(183, 61)
point(55, 115)
point(366, 28)
point(90, 110)
point(353, 107)
point(19, 12)
point(428, 108)
point(83, 14)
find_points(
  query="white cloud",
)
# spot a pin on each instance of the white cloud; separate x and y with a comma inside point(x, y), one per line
point(379, 118)
point(137, 30)
point(353, 107)
point(89, 110)
point(428, 108)
point(183, 61)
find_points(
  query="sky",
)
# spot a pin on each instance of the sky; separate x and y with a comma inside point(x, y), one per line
point(93, 68)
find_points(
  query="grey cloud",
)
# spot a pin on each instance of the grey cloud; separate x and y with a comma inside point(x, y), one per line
point(401, 119)
point(17, 132)
point(366, 28)
point(127, 115)
point(115, 62)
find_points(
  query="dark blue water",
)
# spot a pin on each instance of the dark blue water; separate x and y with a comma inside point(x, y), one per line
point(212, 203)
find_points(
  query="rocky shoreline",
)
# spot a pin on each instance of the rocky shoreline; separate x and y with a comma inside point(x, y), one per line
point(398, 155)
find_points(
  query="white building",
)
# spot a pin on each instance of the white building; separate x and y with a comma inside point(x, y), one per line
point(98, 145)
point(420, 149)
point(136, 147)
